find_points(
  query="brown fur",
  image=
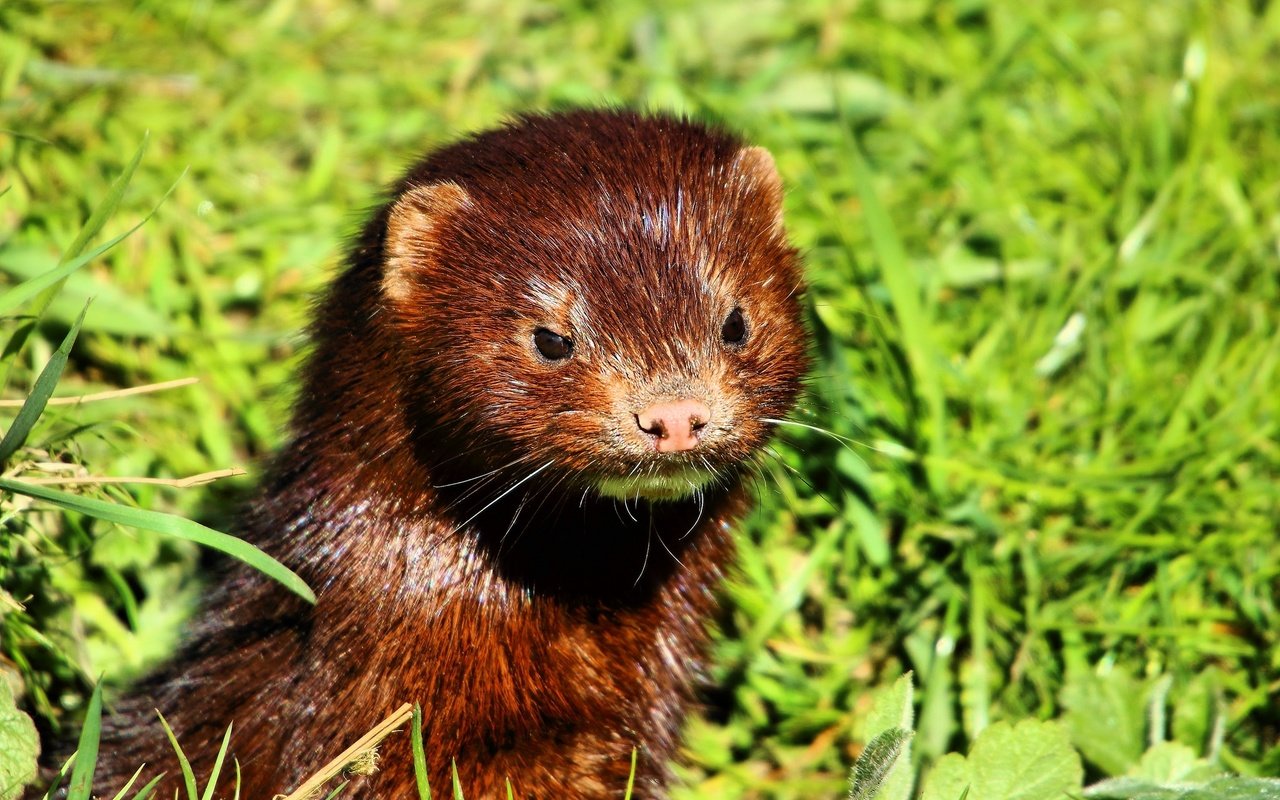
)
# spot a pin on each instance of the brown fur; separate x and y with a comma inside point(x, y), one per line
point(548, 631)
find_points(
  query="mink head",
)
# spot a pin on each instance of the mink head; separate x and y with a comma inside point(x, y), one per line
point(606, 298)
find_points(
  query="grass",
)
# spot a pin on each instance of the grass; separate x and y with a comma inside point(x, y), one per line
point(1042, 241)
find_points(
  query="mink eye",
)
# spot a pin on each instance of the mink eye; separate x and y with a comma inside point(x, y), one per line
point(734, 330)
point(552, 345)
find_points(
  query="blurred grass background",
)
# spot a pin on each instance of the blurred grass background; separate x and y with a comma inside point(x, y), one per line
point(1043, 246)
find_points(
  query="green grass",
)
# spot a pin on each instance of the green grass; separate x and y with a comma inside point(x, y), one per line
point(1043, 246)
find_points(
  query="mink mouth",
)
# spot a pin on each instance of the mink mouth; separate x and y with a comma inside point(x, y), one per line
point(675, 484)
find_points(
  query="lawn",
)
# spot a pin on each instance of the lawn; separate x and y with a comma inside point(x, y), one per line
point(1043, 244)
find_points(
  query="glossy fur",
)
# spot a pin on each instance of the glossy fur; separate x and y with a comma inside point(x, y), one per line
point(440, 488)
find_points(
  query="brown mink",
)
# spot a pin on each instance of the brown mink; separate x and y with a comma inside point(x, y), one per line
point(514, 464)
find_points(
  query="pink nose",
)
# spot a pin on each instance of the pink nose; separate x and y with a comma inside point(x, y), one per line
point(674, 426)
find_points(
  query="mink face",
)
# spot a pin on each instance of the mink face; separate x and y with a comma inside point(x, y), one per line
point(614, 309)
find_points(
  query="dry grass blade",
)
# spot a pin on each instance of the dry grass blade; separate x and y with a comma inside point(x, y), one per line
point(177, 483)
point(107, 395)
point(362, 745)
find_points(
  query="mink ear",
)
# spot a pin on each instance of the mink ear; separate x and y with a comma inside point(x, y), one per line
point(411, 243)
point(757, 166)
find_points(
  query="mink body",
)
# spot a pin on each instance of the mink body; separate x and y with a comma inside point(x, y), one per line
point(494, 481)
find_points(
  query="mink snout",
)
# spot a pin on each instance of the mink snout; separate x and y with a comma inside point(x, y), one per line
point(673, 426)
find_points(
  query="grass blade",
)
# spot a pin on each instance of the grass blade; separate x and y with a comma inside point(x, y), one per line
point(94, 224)
point(419, 756)
point(631, 778)
point(188, 776)
point(146, 791)
point(169, 525)
point(217, 766)
point(336, 790)
point(457, 784)
point(31, 287)
point(87, 749)
point(904, 293)
point(31, 410)
point(128, 785)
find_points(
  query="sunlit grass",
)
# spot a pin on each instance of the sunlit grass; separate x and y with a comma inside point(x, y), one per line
point(1042, 241)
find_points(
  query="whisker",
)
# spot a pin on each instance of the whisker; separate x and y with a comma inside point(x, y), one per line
point(493, 471)
point(512, 488)
point(648, 543)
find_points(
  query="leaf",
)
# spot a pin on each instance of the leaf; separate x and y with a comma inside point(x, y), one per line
point(170, 525)
point(1105, 716)
point(892, 709)
point(914, 325)
point(419, 756)
point(1030, 761)
point(1170, 762)
point(1025, 762)
point(1233, 788)
point(188, 776)
point(871, 771)
point(34, 406)
point(87, 749)
point(19, 745)
point(949, 779)
point(115, 310)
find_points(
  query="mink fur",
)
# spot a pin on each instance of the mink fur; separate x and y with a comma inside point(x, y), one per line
point(440, 489)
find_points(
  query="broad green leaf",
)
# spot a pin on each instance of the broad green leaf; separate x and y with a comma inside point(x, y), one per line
point(19, 745)
point(1169, 762)
point(1106, 717)
point(1231, 788)
point(1030, 761)
point(31, 410)
point(949, 779)
point(170, 525)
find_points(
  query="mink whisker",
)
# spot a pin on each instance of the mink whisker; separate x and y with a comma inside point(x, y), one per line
point(493, 471)
point(514, 486)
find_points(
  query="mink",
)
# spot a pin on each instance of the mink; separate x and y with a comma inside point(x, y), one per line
point(535, 392)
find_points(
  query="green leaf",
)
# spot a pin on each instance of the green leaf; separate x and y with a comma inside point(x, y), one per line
point(1030, 761)
point(1106, 717)
point(19, 745)
point(217, 766)
point(34, 406)
point(115, 310)
point(188, 776)
point(892, 708)
point(48, 285)
point(457, 785)
point(883, 754)
point(170, 525)
point(1233, 788)
point(87, 750)
point(1169, 762)
point(419, 756)
point(128, 784)
point(914, 326)
point(146, 791)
